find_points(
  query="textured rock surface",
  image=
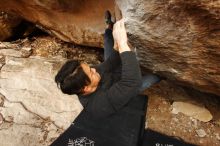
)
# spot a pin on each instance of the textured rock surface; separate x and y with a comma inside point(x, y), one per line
point(77, 21)
point(35, 112)
point(175, 38)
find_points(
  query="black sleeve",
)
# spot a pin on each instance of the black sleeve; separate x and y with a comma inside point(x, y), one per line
point(111, 63)
point(121, 92)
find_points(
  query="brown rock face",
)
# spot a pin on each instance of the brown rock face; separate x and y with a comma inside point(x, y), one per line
point(174, 38)
point(78, 21)
point(178, 39)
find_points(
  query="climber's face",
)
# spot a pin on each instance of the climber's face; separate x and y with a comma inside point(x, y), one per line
point(93, 76)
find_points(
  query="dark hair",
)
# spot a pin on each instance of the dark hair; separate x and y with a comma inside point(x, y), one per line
point(71, 78)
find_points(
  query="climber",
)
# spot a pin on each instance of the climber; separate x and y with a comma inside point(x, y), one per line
point(114, 113)
point(106, 88)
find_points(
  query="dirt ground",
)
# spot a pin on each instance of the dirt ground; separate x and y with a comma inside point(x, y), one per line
point(160, 96)
point(160, 118)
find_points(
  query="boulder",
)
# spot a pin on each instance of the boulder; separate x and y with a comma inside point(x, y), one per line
point(33, 109)
point(76, 21)
point(176, 39)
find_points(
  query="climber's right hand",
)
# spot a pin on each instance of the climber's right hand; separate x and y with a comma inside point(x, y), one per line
point(120, 36)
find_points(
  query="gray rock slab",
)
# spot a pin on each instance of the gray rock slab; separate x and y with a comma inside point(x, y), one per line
point(35, 111)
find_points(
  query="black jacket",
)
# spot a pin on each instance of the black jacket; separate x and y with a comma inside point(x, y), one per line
point(120, 81)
